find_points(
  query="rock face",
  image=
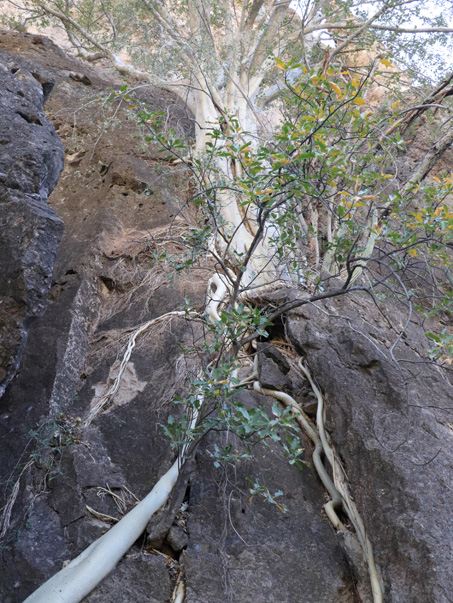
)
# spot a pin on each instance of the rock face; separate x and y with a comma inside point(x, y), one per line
point(243, 548)
point(31, 159)
point(123, 205)
point(389, 419)
point(118, 199)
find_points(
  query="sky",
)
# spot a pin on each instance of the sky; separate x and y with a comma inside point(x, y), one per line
point(431, 9)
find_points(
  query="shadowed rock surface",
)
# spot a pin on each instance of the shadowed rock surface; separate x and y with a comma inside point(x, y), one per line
point(31, 159)
point(390, 420)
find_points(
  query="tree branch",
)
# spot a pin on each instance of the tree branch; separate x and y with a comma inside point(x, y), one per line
point(358, 31)
point(430, 159)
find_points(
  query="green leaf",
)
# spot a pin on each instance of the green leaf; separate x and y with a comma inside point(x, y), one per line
point(280, 64)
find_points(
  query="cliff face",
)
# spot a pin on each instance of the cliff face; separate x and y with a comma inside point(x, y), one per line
point(31, 160)
point(388, 412)
point(122, 205)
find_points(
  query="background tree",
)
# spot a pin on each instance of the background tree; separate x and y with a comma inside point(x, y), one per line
point(217, 55)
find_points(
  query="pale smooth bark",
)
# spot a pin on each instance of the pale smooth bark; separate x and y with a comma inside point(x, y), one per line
point(85, 572)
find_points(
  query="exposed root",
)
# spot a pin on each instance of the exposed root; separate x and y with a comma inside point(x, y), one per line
point(127, 498)
point(304, 422)
point(179, 593)
point(83, 574)
point(106, 399)
point(337, 489)
point(218, 287)
point(349, 505)
point(130, 292)
point(5, 518)
point(101, 516)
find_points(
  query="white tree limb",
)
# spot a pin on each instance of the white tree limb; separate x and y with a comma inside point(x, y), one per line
point(85, 572)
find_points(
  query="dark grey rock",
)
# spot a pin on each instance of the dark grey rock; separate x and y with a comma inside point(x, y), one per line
point(248, 550)
point(136, 579)
point(160, 523)
point(267, 350)
point(72, 346)
point(272, 367)
point(389, 422)
point(31, 159)
point(177, 538)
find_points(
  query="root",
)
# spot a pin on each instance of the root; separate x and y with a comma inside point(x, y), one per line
point(337, 489)
point(335, 501)
point(85, 572)
point(218, 287)
point(179, 592)
point(5, 518)
point(349, 505)
point(108, 396)
point(101, 516)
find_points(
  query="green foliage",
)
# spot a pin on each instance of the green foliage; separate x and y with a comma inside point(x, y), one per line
point(216, 394)
point(328, 157)
point(259, 490)
point(50, 440)
point(443, 350)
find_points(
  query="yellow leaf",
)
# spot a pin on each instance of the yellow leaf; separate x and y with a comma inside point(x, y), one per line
point(386, 63)
point(335, 88)
point(359, 101)
point(395, 105)
point(216, 392)
point(280, 64)
point(355, 81)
